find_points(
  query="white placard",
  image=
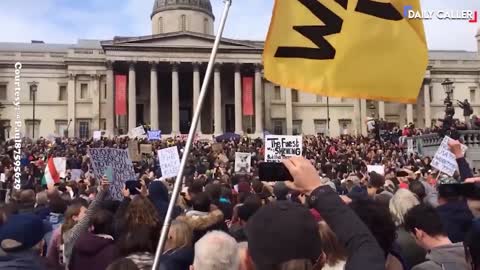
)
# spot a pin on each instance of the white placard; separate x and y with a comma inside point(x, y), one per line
point(169, 161)
point(97, 135)
point(410, 146)
point(138, 131)
point(444, 160)
point(121, 164)
point(380, 169)
point(2, 178)
point(280, 147)
point(76, 174)
point(154, 135)
point(243, 162)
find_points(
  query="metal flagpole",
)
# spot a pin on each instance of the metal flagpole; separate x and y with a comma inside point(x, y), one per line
point(191, 135)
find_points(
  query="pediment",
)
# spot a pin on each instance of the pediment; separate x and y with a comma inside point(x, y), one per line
point(180, 40)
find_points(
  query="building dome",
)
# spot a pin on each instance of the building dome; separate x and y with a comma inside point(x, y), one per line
point(197, 5)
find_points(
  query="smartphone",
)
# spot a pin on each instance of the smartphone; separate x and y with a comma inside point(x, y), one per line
point(273, 171)
point(109, 174)
point(132, 186)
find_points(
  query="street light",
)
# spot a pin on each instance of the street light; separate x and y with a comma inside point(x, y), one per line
point(448, 88)
point(33, 89)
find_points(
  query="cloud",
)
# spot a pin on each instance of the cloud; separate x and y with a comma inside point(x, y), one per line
point(62, 21)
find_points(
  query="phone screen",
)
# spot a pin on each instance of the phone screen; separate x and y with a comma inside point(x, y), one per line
point(273, 171)
point(132, 186)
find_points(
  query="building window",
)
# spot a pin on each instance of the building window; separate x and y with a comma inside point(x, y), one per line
point(430, 90)
point(345, 126)
point(297, 127)
point(5, 130)
point(3, 92)
point(62, 93)
point(84, 129)
point(83, 91)
point(61, 127)
point(33, 92)
point(205, 26)
point(319, 99)
point(30, 127)
point(473, 92)
point(277, 93)
point(183, 23)
point(320, 126)
point(104, 91)
point(103, 124)
point(160, 25)
point(278, 127)
point(294, 95)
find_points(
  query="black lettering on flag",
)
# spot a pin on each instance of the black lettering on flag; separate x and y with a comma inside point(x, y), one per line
point(316, 33)
point(380, 10)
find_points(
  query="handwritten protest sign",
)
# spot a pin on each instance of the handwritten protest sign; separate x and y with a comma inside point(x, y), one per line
point(243, 162)
point(380, 169)
point(279, 147)
point(120, 163)
point(444, 160)
point(137, 132)
point(145, 148)
point(154, 135)
point(97, 135)
point(169, 161)
point(133, 151)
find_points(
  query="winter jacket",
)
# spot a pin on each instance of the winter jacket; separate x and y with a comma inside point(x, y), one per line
point(457, 219)
point(54, 221)
point(143, 260)
point(24, 260)
point(203, 222)
point(158, 195)
point(408, 248)
point(93, 252)
point(53, 247)
point(449, 257)
point(363, 249)
point(179, 259)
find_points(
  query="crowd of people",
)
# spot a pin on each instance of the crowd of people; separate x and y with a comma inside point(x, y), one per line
point(333, 214)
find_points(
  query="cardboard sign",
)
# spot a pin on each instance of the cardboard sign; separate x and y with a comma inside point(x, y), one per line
point(217, 147)
point(97, 135)
point(154, 135)
point(444, 160)
point(137, 132)
point(146, 149)
point(243, 162)
point(120, 164)
point(380, 169)
point(133, 151)
point(280, 147)
point(169, 161)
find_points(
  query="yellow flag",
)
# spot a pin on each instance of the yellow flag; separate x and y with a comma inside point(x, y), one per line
point(347, 48)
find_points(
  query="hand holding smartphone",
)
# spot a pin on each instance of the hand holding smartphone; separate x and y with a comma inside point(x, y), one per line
point(273, 171)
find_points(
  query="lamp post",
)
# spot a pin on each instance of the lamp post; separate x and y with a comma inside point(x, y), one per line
point(448, 88)
point(448, 123)
point(33, 89)
point(328, 116)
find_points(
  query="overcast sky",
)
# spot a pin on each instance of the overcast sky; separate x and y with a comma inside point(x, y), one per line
point(65, 21)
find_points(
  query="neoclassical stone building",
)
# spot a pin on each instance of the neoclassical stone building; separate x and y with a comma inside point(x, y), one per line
point(76, 84)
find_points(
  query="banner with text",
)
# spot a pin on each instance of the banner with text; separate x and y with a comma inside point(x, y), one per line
point(243, 162)
point(444, 160)
point(119, 162)
point(247, 85)
point(279, 147)
point(169, 161)
point(154, 135)
point(120, 94)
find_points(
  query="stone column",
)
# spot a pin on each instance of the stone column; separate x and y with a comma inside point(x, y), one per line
point(381, 110)
point(217, 101)
point(71, 105)
point(96, 102)
point(363, 113)
point(132, 97)
point(196, 93)
point(175, 100)
point(238, 100)
point(258, 100)
point(110, 107)
point(427, 101)
point(153, 96)
point(356, 117)
point(409, 113)
point(289, 110)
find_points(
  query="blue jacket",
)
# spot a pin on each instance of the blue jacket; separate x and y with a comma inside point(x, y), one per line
point(179, 259)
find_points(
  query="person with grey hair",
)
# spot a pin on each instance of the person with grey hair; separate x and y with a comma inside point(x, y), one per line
point(216, 250)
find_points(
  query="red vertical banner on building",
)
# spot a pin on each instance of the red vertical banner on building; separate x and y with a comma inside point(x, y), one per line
point(120, 94)
point(247, 85)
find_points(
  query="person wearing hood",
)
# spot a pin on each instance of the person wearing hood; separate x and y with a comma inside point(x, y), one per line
point(454, 212)
point(158, 195)
point(425, 225)
point(95, 250)
point(21, 240)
